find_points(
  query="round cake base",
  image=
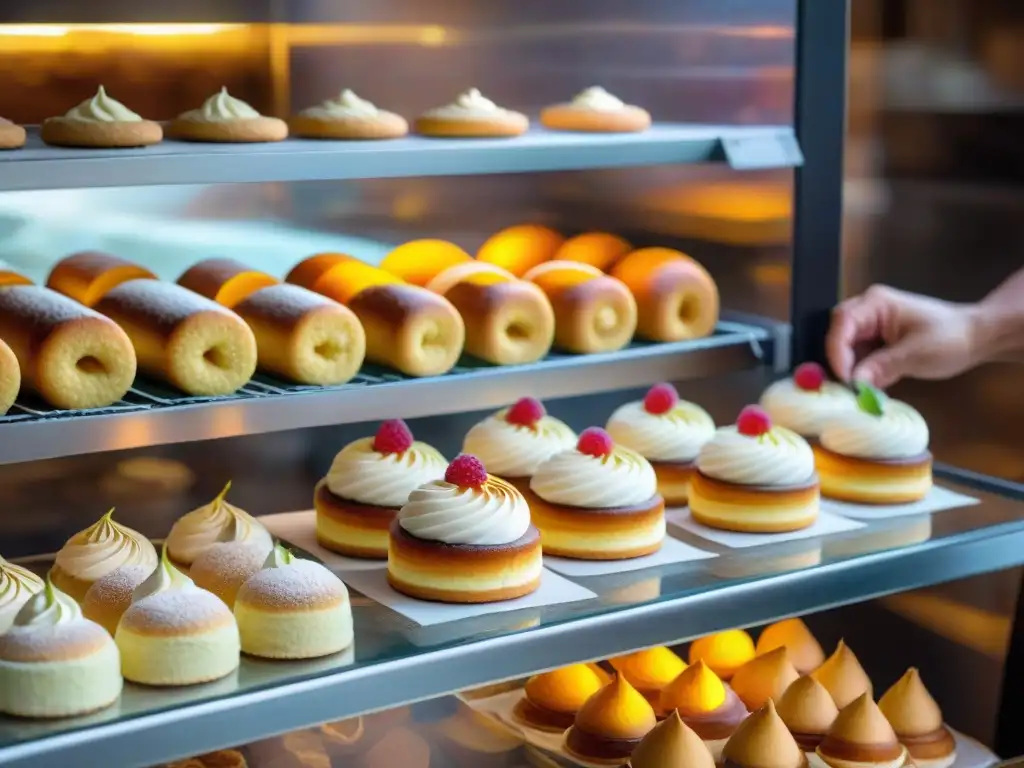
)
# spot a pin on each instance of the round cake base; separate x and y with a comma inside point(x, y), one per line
point(867, 481)
point(350, 528)
point(753, 508)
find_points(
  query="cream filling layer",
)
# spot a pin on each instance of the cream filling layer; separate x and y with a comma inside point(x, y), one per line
point(468, 582)
point(602, 541)
point(294, 634)
point(178, 660)
point(61, 688)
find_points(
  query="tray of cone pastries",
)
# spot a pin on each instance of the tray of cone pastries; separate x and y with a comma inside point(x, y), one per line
point(776, 703)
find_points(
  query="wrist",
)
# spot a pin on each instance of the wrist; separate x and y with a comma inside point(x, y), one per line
point(996, 331)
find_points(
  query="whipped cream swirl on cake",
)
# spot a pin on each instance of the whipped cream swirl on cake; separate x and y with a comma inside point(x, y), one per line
point(622, 478)
point(17, 585)
point(778, 457)
point(493, 514)
point(516, 450)
point(806, 411)
point(900, 432)
point(367, 476)
point(676, 435)
point(103, 547)
point(214, 523)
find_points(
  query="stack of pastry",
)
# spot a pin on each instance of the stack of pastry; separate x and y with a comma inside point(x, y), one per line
point(368, 483)
point(807, 401)
point(508, 321)
point(597, 501)
point(515, 441)
point(725, 652)
point(669, 433)
point(610, 725)
point(917, 721)
point(876, 453)
point(706, 704)
point(215, 523)
point(465, 539)
point(649, 671)
point(299, 334)
point(407, 327)
point(179, 336)
point(755, 477)
point(552, 699)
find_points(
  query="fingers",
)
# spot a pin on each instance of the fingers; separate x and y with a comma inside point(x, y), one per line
point(885, 367)
point(853, 322)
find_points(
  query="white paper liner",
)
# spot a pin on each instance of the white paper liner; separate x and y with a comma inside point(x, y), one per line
point(937, 500)
point(827, 524)
point(299, 528)
point(672, 551)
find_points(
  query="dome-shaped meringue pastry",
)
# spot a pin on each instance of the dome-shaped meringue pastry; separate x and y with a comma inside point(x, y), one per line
point(843, 676)
point(917, 720)
point(724, 652)
point(224, 568)
point(649, 670)
point(56, 663)
point(808, 711)
point(706, 704)
point(861, 737)
point(552, 699)
point(611, 724)
point(213, 523)
point(764, 677)
point(17, 585)
point(672, 744)
point(763, 741)
point(108, 599)
point(175, 633)
point(804, 650)
point(91, 554)
point(293, 609)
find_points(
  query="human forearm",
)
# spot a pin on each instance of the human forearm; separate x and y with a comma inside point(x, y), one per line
point(999, 322)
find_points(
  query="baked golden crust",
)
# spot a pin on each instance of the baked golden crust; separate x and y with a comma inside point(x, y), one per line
point(866, 481)
point(225, 281)
point(568, 117)
point(619, 533)
point(753, 509)
point(463, 573)
point(507, 323)
point(350, 528)
point(596, 314)
point(383, 125)
point(251, 130)
point(12, 136)
point(509, 124)
point(674, 480)
point(68, 132)
point(88, 276)
point(10, 377)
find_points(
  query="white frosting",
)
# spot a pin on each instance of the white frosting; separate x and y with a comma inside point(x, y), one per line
point(102, 109)
point(17, 585)
point(222, 108)
point(598, 99)
point(348, 104)
point(624, 478)
point(166, 578)
point(676, 435)
point(493, 514)
point(213, 523)
point(104, 547)
point(513, 450)
point(278, 557)
point(471, 103)
point(806, 411)
point(779, 457)
point(365, 476)
point(899, 433)
point(48, 608)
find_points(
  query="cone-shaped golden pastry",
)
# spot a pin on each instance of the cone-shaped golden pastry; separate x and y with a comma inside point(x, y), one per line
point(474, 740)
point(808, 711)
point(804, 650)
point(763, 741)
point(611, 724)
point(724, 652)
point(672, 744)
point(861, 737)
point(706, 704)
point(843, 676)
point(552, 699)
point(764, 677)
point(649, 670)
point(917, 720)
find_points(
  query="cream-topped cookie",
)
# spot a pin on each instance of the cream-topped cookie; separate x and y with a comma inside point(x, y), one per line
point(100, 122)
point(12, 135)
point(471, 115)
point(347, 116)
point(595, 110)
point(224, 118)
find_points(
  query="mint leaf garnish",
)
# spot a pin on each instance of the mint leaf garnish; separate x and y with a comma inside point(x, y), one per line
point(869, 399)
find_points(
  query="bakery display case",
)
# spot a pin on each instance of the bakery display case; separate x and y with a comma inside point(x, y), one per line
point(202, 311)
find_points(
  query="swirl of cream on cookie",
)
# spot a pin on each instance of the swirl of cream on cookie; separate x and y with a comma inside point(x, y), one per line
point(778, 457)
point(493, 514)
point(623, 478)
point(598, 99)
point(366, 476)
point(17, 585)
point(222, 107)
point(347, 104)
point(806, 411)
point(471, 103)
point(515, 450)
point(103, 547)
point(676, 435)
point(102, 109)
point(210, 524)
point(899, 433)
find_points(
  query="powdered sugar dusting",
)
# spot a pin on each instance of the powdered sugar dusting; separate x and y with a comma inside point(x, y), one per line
point(48, 643)
point(177, 611)
point(300, 585)
point(117, 586)
point(223, 568)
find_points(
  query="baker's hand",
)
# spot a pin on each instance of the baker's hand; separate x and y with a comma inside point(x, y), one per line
point(886, 334)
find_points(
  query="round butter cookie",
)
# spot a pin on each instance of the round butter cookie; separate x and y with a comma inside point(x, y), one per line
point(594, 110)
point(12, 136)
point(101, 123)
point(471, 115)
point(225, 119)
point(348, 117)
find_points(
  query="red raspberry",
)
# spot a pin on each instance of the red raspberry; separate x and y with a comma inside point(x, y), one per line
point(526, 412)
point(594, 441)
point(466, 471)
point(809, 376)
point(753, 421)
point(661, 398)
point(393, 436)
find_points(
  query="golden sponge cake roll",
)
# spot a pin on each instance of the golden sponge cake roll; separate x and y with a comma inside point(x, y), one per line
point(87, 276)
point(10, 378)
